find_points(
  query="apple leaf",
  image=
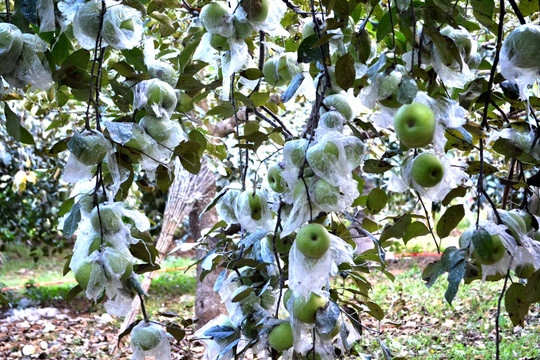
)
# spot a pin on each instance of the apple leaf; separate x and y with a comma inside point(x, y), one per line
point(432, 272)
point(376, 200)
point(460, 191)
point(307, 53)
point(398, 229)
point(373, 166)
point(72, 222)
point(517, 304)
point(415, 229)
point(241, 293)
point(345, 72)
point(220, 332)
point(450, 220)
point(474, 168)
point(533, 287)
point(73, 292)
point(177, 332)
point(454, 279)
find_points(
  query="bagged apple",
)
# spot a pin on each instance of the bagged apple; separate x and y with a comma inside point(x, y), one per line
point(149, 339)
point(11, 45)
point(122, 27)
point(252, 211)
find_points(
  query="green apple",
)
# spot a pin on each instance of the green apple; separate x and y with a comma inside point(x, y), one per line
point(340, 103)
point(325, 193)
point(220, 43)
point(524, 271)
point(297, 153)
point(255, 202)
point(157, 128)
point(497, 254)
point(164, 72)
point(280, 337)
point(306, 311)
point(243, 29)
point(213, 16)
point(323, 156)
point(117, 263)
point(122, 27)
point(332, 120)
point(160, 93)
point(415, 125)
point(257, 10)
point(514, 222)
point(86, 201)
point(388, 88)
point(275, 180)
point(111, 220)
point(522, 46)
point(87, 20)
point(89, 148)
point(313, 240)
point(11, 45)
point(461, 38)
point(536, 236)
point(278, 72)
point(300, 189)
point(427, 170)
point(138, 140)
point(83, 273)
point(282, 245)
point(146, 335)
point(287, 296)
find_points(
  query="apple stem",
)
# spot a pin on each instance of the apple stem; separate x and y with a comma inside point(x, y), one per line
point(143, 309)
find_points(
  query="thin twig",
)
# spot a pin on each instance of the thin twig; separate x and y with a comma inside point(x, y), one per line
point(517, 12)
point(389, 4)
point(429, 223)
point(497, 326)
point(8, 12)
point(143, 309)
point(274, 248)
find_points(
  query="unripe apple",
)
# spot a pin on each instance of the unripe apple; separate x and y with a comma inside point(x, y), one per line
point(118, 264)
point(86, 201)
point(146, 335)
point(498, 251)
point(287, 296)
point(323, 156)
point(242, 29)
point(122, 27)
point(280, 337)
point(159, 93)
point(256, 202)
point(89, 148)
point(415, 125)
point(306, 311)
point(257, 10)
point(164, 72)
point(275, 180)
point(388, 88)
point(11, 45)
point(278, 72)
point(139, 139)
point(524, 271)
point(325, 194)
point(271, 73)
point(514, 222)
point(313, 240)
point(461, 38)
point(427, 170)
point(213, 16)
point(522, 46)
point(297, 151)
point(332, 120)
point(87, 21)
point(157, 128)
point(220, 43)
point(339, 103)
point(283, 245)
point(83, 273)
point(111, 220)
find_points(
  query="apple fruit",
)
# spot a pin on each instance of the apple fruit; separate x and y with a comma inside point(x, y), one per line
point(323, 156)
point(86, 201)
point(280, 337)
point(139, 139)
point(521, 46)
point(255, 201)
point(146, 336)
point(332, 120)
point(242, 29)
point(86, 23)
point(117, 264)
point(90, 148)
point(164, 72)
point(275, 180)
point(122, 27)
point(161, 94)
point(415, 125)
point(213, 16)
point(313, 240)
point(306, 311)
point(157, 128)
point(388, 88)
point(524, 271)
point(220, 43)
point(257, 10)
point(295, 152)
point(536, 236)
point(514, 222)
point(461, 38)
point(325, 194)
point(283, 245)
point(111, 220)
point(427, 170)
point(340, 103)
point(287, 297)
point(11, 45)
point(83, 273)
point(496, 255)
point(278, 72)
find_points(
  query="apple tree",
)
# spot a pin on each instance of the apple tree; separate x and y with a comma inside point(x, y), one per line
point(432, 102)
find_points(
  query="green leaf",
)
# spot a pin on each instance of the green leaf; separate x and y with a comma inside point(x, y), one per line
point(533, 287)
point(72, 222)
point(460, 191)
point(398, 229)
point(385, 24)
point(241, 293)
point(176, 332)
point(372, 166)
point(73, 292)
point(376, 200)
point(415, 229)
point(432, 272)
point(483, 12)
point(474, 168)
point(450, 220)
point(306, 52)
point(252, 74)
point(345, 71)
point(66, 206)
point(454, 279)
point(528, 7)
point(164, 178)
point(517, 303)
point(62, 49)
point(13, 124)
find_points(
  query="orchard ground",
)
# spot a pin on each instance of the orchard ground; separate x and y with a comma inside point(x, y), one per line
point(419, 323)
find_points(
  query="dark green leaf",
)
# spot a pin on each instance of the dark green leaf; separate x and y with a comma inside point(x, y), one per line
point(376, 200)
point(415, 229)
point(72, 222)
point(73, 292)
point(450, 220)
point(376, 166)
point(345, 71)
point(517, 303)
point(398, 229)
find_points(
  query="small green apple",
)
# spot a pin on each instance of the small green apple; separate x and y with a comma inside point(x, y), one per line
point(497, 254)
point(111, 220)
point(536, 236)
point(86, 201)
point(388, 88)
point(255, 202)
point(306, 311)
point(243, 29)
point(257, 10)
point(157, 128)
point(515, 223)
point(313, 240)
point(164, 72)
point(146, 335)
point(297, 151)
point(89, 148)
point(159, 93)
point(461, 38)
point(122, 27)
point(427, 170)
point(83, 273)
point(280, 337)
point(339, 103)
point(287, 296)
point(278, 72)
point(415, 125)
point(521, 46)
point(86, 22)
point(323, 156)
point(11, 45)
point(332, 120)
point(283, 245)
point(212, 16)
point(326, 194)
point(220, 43)
point(117, 263)
point(524, 271)
point(276, 182)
